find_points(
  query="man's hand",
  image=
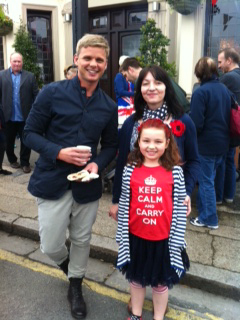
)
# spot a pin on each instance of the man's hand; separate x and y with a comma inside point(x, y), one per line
point(92, 167)
point(187, 202)
point(74, 156)
point(113, 211)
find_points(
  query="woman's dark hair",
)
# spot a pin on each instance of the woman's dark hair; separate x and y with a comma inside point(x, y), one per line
point(206, 68)
point(171, 155)
point(159, 74)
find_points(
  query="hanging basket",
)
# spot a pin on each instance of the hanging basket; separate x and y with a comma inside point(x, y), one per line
point(4, 30)
point(184, 7)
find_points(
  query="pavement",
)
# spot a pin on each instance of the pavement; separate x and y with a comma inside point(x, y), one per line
point(214, 254)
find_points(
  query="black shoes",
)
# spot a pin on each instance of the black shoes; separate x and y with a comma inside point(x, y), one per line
point(5, 172)
point(75, 297)
point(26, 169)
point(15, 165)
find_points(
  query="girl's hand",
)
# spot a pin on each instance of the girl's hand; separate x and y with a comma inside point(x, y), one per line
point(113, 211)
point(187, 202)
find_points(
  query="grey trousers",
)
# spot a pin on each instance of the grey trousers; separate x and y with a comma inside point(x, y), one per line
point(55, 217)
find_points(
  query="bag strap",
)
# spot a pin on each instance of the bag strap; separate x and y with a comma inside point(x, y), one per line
point(234, 103)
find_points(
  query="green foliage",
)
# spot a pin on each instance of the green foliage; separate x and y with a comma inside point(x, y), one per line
point(173, 2)
point(24, 45)
point(153, 48)
point(5, 20)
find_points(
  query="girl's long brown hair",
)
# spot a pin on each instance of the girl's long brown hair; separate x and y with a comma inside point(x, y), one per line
point(171, 156)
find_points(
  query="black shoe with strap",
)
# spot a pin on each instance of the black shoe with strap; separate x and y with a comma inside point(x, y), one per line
point(75, 297)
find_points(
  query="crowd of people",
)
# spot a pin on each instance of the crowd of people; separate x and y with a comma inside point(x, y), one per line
point(162, 153)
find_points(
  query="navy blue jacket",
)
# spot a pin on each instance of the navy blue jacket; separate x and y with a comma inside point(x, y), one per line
point(63, 117)
point(210, 111)
point(187, 145)
point(121, 89)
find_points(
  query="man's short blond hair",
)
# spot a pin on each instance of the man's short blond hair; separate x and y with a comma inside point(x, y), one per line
point(93, 40)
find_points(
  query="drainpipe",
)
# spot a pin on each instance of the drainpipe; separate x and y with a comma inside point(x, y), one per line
point(79, 20)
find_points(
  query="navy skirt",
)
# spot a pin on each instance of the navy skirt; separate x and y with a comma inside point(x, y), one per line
point(150, 263)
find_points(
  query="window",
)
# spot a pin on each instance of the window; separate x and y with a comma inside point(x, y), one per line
point(130, 45)
point(223, 25)
point(137, 18)
point(99, 22)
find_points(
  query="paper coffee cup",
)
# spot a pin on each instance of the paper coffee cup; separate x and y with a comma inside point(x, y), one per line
point(85, 148)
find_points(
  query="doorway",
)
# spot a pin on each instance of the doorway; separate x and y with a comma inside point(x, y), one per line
point(121, 27)
point(39, 24)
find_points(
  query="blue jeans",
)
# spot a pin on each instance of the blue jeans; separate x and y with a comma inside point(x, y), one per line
point(206, 198)
point(226, 171)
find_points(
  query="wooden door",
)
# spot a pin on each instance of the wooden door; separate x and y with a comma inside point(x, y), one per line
point(40, 28)
point(121, 27)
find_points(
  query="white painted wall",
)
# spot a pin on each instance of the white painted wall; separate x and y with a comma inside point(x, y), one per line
point(101, 3)
point(17, 12)
point(189, 49)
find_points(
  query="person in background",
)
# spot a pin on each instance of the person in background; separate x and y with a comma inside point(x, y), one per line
point(18, 90)
point(64, 115)
point(124, 91)
point(131, 68)
point(70, 71)
point(2, 144)
point(152, 253)
point(228, 63)
point(210, 111)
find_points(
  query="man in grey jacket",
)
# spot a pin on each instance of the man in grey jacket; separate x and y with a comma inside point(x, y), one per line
point(18, 90)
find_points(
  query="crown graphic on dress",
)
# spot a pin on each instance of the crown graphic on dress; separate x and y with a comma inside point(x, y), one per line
point(150, 181)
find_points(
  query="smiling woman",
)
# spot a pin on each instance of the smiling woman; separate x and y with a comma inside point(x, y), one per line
point(153, 91)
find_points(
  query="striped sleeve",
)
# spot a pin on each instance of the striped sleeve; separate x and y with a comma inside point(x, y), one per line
point(178, 228)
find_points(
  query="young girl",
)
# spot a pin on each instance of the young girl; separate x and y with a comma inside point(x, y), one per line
point(152, 218)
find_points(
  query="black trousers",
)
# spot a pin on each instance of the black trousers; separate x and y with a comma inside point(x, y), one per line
point(12, 129)
point(2, 147)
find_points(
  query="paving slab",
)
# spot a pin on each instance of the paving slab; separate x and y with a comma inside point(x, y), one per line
point(98, 270)
point(15, 189)
point(226, 232)
point(229, 219)
point(226, 254)
point(103, 248)
point(6, 221)
point(214, 280)
point(104, 225)
point(41, 257)
point(20, 206)
point(27, 228)
point(199, 247)
point(18, 245)
point(118, 281)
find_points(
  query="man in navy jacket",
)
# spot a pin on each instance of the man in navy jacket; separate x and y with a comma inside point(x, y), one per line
point(66, 114)
point(228, 63)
